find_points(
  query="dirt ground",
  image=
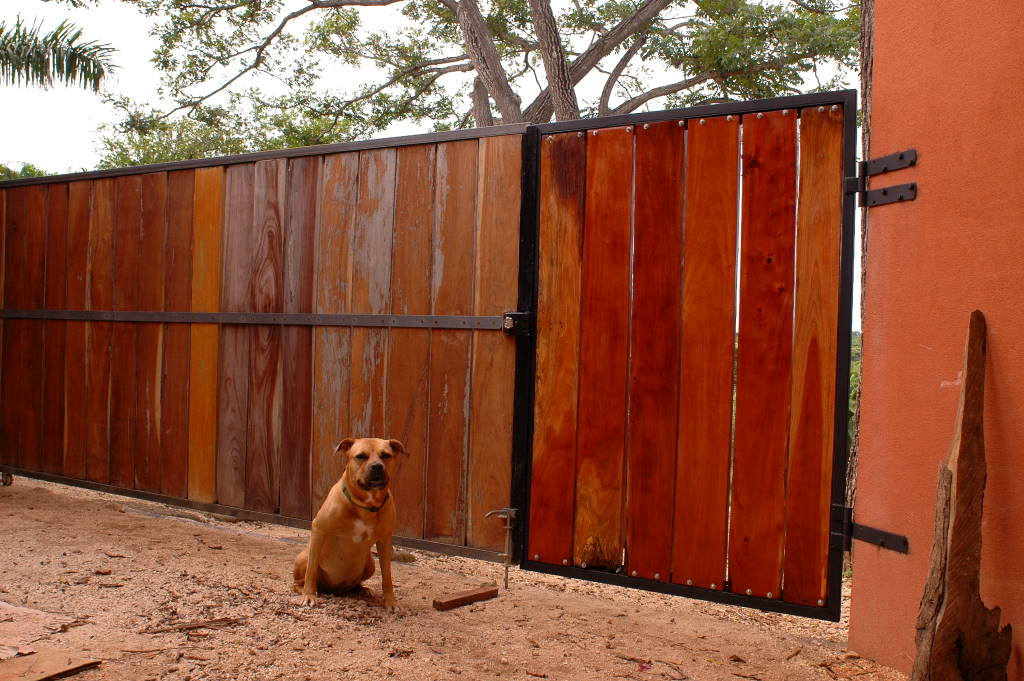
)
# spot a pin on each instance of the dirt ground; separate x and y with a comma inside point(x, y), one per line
point(119, 570)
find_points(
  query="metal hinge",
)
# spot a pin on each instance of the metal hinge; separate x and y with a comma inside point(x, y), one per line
point(879, 197)
point(518, 323)
point(844, 531)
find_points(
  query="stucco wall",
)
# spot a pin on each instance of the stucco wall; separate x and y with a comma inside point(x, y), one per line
point(948, 79)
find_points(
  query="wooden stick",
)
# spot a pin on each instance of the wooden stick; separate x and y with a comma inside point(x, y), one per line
point(957, 636)
point(465, 598)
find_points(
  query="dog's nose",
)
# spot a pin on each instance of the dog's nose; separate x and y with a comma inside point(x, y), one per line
point(377, 469)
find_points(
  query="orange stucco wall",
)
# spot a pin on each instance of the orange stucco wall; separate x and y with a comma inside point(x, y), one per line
point(948, 80)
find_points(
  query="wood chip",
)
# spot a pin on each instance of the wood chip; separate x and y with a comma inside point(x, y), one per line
point(465, 598)
point(539, 675)
point(101, 571)
point(793, 654)
point(195, 624)
point(736, 658)
point(44, 663)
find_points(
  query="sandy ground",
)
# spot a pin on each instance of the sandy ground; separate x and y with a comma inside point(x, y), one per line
point(120, 569)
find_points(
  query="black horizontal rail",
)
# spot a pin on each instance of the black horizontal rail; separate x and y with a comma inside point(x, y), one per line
point(265, 318)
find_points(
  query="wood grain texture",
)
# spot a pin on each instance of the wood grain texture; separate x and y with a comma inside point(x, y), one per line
point(765, 354)
point(6, 453)
point(297, 341)
point(371, 278)
point(654, 348)
point(177, 290)
point(263, 444)
point(706, 364)
point(600, 488)
point(332, 367)
point(147, 427)
point(101, 294)
point(203, 364)
point(124, 335)
point(233, 373)
point(409, 349)
point(24, 287)
point(553, 475)
point(451, 287)
point(77, 280)
point(494, 354)
point(812, 425)
point(55, 332)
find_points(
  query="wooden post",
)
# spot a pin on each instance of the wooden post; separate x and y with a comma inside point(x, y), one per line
point(958, 638)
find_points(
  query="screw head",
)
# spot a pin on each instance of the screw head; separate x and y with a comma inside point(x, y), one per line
point(657, 575)
point(583, 565)
point(821, 109)
point(760, 115)
point(681, 124)
point(835, 107)
point(728, 118)
point(633, 573)
point(647, 126)
point(703, 122)
point(749, 592)
point(785, 112)
point(821, 602)
point(565, 561)
point(547, 138)
point(689, 582)
point(713, 585)
point(536, 556)
point(769, 594)
point(629, 128)
point(594, 133)
point(579, 134)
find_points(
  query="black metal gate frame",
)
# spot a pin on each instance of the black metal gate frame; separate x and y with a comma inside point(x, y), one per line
point(526, 351)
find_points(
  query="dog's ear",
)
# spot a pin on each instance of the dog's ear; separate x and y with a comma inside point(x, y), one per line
point(344, 446)
point(397, 447)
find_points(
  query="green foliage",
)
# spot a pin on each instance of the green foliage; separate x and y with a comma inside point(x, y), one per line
point(29, 56)
point(856, 351)
point(26, 170)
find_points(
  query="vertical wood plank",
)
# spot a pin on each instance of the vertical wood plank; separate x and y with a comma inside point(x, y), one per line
point(409, 349)
point(123, 339)
point(331, 354)
point(598, 534)
point(238, 258)
point(77, 279)
point(819, 223)
point(451, 293)
point(765, 354)
point(494, 354)
point(174, 401)
point(708, 341)
point(552, 481)
point(150, 337)
point(204, 339)
point(24, 287)
point(6, 453)
point(101, 295)
point(654, 348)
point(371, 278)
point(55, 331)
point(263, 443)
point(297, 341)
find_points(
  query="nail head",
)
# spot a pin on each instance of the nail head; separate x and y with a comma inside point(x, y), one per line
point(760, 115)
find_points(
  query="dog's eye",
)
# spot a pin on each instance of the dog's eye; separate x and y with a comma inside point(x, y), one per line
point(385, 455)
point(362, 457)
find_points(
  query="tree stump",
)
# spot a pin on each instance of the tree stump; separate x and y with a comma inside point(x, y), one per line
point(958, 638)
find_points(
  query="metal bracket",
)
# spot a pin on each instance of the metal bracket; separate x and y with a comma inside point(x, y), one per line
point(517, 323)
point(844, 531)
point(509, 514)
point(880, 197)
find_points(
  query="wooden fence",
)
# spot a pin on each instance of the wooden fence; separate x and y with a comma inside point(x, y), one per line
point(244, 415)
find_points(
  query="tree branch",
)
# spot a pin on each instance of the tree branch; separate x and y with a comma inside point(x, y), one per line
point(555, 67)
point(613, 77)
point(481, 105)
point(484, 55)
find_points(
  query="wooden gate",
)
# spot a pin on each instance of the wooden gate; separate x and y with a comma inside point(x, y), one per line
point(693, 321)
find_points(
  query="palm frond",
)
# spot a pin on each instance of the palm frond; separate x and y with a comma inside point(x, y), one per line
point(29, 56)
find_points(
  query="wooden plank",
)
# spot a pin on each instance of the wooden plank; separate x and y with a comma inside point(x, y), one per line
point(331, 346)
point(124, 336)
point(55, 332)
point(150, 337)
point(553, 478)
point(451, 293)
point(297, 342)
point(765, 354)
point(263, 442)
point(177, 289)
point(708, 343)
point(24, 287)
point(43, 664)
point(233, 389)
point(409, 349)
point(77, 277)
point(598, 532)
point(101, 293)
point(371, 277)
point(654, 348)
point(456, 600)
point(812, 425)
point(6, 453)
point(494, 354)
point(203, 366)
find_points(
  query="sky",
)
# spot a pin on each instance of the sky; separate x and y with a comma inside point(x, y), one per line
point(56, 129)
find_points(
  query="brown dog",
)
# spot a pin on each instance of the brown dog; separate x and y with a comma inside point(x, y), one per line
point(358, 512)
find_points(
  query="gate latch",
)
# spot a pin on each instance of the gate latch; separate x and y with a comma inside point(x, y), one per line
point(844, 531)
point(879, 197)
point(517, 323)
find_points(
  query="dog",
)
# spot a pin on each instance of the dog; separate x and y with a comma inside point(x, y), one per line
point(358, 512)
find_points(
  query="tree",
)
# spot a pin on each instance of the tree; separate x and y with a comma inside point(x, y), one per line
point(27, 170)
point(459, 62)
point(27, 55)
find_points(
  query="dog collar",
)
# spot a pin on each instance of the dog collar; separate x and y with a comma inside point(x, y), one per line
point(372, 509)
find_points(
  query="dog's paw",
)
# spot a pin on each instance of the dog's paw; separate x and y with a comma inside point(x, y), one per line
point(307, 600)
point(389, 602)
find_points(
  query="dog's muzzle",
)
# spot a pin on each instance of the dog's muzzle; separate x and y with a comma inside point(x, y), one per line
point(376, 478)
